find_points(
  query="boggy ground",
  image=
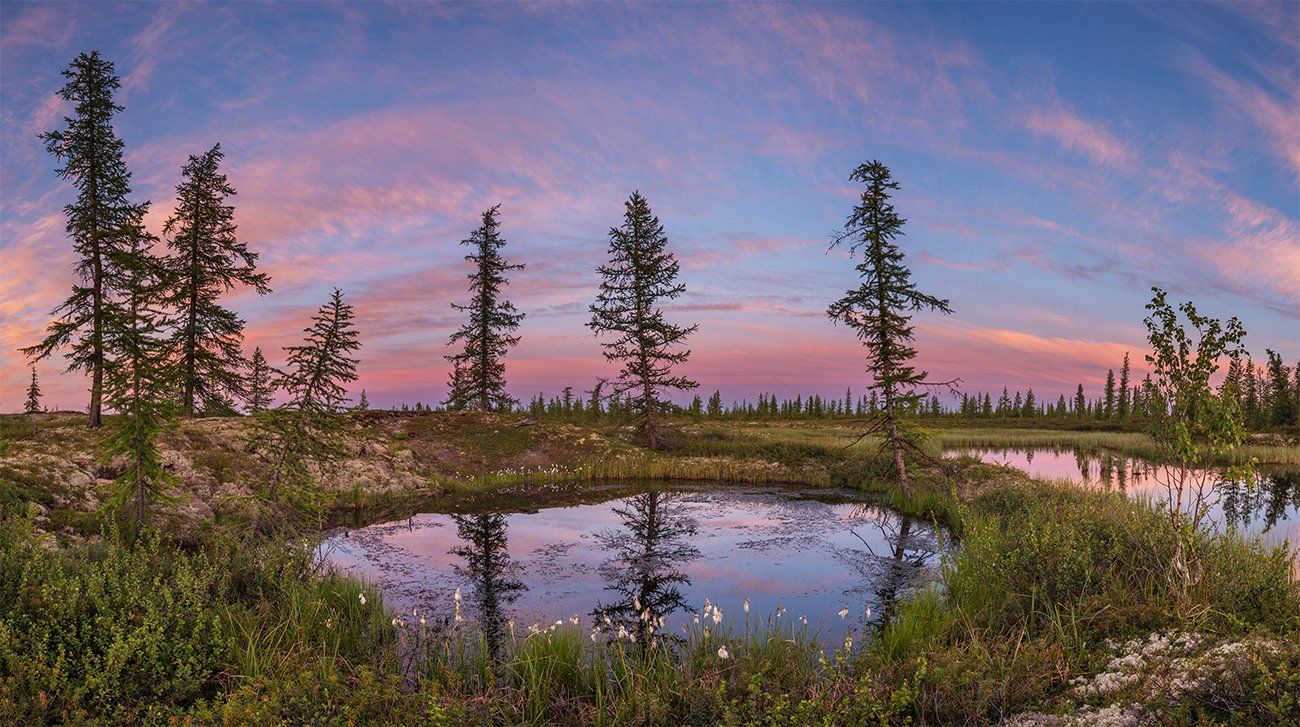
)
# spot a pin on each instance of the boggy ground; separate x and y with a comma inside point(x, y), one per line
point(1057, 610)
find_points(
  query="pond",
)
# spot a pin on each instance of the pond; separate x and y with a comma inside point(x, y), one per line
point(1269, 508)
point(639, 554)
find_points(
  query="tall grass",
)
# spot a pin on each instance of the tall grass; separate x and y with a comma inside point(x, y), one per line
point(1132, 443)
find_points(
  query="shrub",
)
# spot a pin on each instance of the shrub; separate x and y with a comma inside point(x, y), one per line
point(122, 635)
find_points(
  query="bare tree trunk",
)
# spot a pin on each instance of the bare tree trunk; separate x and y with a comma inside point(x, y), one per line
point(896, 442)
point(139, 493)
point(651, 432)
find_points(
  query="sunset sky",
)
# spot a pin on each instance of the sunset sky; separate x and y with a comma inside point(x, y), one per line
point(1056, 161)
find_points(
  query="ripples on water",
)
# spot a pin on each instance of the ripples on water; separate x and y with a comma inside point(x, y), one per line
point(654, 553)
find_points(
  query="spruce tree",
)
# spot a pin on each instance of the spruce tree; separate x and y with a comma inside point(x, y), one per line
point(304, 428)
point(1122, 408)
point(1080, 402)
point(363, 404)
point(641, 273)
point(1282, 408)
point(99, 219)
point(594, 397)
point(33, 405)
point(1108, 409)
point(478, 379)
point(136, 381)
point(879, 309)
point(260, 386)
point(207, 260)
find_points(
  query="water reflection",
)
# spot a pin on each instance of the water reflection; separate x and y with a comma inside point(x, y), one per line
point(1269, 507)
point(626, 552)
point(490, 571)
point(643, 570)
point(894, 571)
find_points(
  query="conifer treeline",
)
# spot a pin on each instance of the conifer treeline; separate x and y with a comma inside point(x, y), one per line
point(151, 333)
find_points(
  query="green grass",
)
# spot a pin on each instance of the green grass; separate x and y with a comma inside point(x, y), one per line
point(1131, 443)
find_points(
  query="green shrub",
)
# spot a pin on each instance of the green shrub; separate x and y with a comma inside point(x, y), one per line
point(121, 635)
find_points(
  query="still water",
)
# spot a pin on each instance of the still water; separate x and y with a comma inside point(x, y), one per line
point(621, 552)
point(1269, 508)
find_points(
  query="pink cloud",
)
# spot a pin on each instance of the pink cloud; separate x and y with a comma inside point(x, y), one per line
point(1077, 134)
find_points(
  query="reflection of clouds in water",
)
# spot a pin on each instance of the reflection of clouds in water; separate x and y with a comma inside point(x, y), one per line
point(768, 544)
point(1270, 508)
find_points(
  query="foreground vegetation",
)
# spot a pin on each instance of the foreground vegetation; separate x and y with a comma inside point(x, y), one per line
point(1048, 609)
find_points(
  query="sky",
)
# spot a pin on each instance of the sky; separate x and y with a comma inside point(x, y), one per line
point(1056, 161)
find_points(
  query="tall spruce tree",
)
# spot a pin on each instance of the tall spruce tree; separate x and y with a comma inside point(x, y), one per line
point(1124, 405)
point(33, 404)
point(303, 429)
point(641, 273)
point(1108, 407)
point(1282, 407)
point(478, 379)
point(260, 386)
point(207, 260)
point(99, 219)
point(879, 308)
point(136, 376)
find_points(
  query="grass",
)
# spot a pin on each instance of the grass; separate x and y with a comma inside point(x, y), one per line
point(1046, 579)
point(1131, 443)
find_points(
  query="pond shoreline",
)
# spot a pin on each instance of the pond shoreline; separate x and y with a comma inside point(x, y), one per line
point(1047, 579)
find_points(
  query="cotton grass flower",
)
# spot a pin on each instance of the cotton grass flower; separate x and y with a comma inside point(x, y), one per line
point(717, 615)
point(844, 612)
point(362, 597)
point(723, 653)
point(745, 605)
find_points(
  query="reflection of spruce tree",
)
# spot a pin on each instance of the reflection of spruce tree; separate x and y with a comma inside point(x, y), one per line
point(1268, 499)
point(490, 572)
point(1283, 491)
point(895, 570)
point(641, 570)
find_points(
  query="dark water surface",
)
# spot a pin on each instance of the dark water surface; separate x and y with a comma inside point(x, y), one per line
point(622, 552)
point(1269, 508)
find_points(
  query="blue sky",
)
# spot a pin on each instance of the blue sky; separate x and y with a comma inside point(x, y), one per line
point(1056, 160)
